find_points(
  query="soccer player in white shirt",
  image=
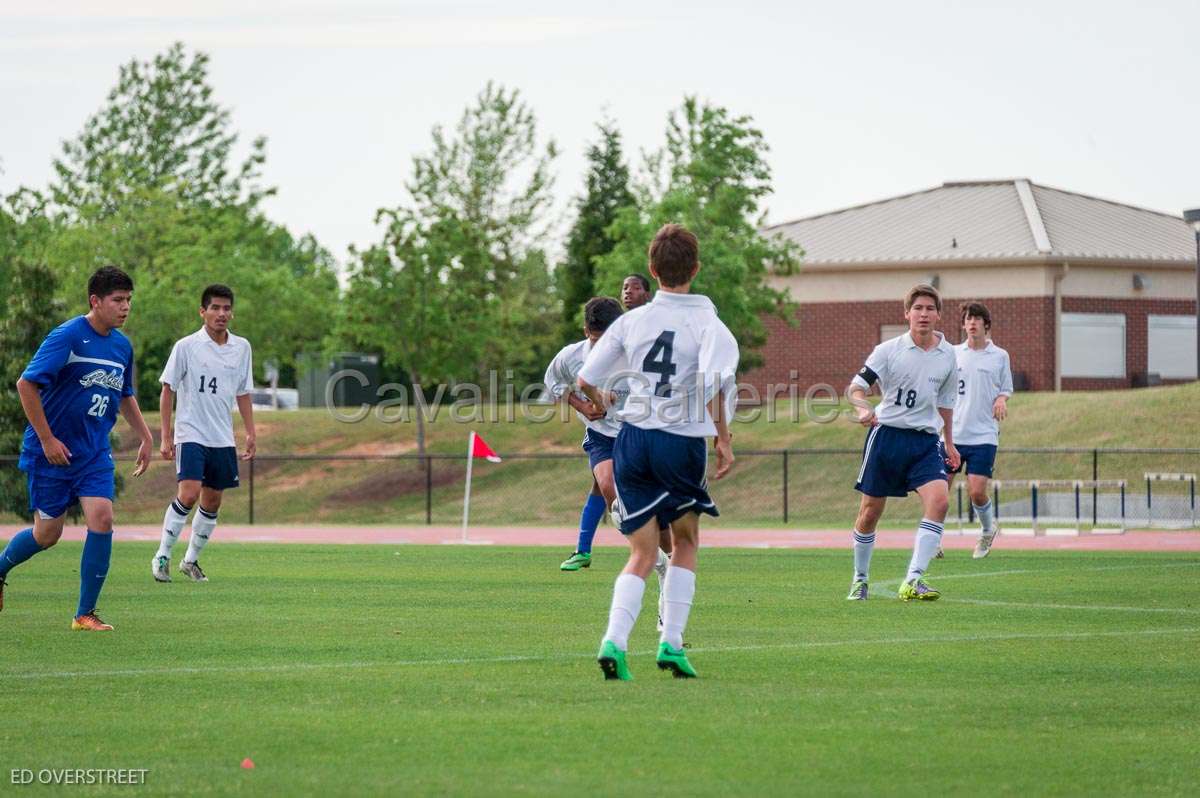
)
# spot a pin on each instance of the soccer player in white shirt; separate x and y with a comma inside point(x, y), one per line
point(600, 430)
point(916, 374)
point(207, 372)
point(984, 385)
point(681, 362)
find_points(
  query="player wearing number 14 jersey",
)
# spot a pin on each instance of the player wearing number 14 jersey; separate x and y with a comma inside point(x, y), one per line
point(207, 372)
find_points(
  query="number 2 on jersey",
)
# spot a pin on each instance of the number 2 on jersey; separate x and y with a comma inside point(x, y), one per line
point(658, 361)
point(211, 386)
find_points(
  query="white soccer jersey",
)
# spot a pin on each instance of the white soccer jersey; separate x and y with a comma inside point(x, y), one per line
point(560, 378)
point(914, 382)
point(677, 355)
point(983, 375)
point(207, 378)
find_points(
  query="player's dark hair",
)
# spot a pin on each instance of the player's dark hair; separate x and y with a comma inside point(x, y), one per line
point(108, 280)
point(600, 312)
point(674, 254)
point(976, 309)
point(216, 290)
point(641, 278)
point(919, 290)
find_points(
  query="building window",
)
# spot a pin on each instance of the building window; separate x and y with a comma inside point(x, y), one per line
point(1172, 344)
point(889, 331)
point(1093, 345)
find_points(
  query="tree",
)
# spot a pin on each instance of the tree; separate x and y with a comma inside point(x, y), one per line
point(459, 283)
point(606, 194)
point(712, 177)
point(30, 312)
point(159, 129)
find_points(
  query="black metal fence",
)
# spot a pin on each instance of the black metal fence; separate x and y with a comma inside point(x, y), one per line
point(794, 487)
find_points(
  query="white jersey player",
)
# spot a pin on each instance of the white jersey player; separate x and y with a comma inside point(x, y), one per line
point(207, 373)
point(681, 362)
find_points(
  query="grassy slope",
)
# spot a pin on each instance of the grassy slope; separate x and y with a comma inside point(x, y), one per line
point(369, 669)
point(549, 492)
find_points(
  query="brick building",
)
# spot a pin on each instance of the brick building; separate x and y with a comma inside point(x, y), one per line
point(1084, 293)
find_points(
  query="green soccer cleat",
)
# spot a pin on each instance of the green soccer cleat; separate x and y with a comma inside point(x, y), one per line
point(578, 560)
point(920, 590)
point(858, 591)
point(675, 660)
point(612, 662)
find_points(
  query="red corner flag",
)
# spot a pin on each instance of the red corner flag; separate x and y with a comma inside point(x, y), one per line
point(479, 448)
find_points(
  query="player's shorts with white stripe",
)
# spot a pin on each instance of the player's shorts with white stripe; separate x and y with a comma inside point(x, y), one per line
point(659, 475)
point(215, 467)
point(897, 461)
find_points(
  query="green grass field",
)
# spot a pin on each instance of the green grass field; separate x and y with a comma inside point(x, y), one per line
point(419, 670)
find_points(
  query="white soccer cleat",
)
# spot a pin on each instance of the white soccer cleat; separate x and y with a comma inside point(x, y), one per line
point(161, 568)
point(192, 571)
point(984, 546)
point(614, 512)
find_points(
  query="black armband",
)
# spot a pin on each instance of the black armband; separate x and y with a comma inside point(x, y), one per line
point(869, 376)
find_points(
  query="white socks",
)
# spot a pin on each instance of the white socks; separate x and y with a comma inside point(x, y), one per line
point(864, 543)
point(173, 521)
point(679, 589)
point(985, 516)
point(202, 528)
point(929, 537)
point(626, 604)
point(660, 567)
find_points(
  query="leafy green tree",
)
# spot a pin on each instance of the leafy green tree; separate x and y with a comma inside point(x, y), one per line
point(712, 177)
point(607, 192)
point(459, 283)
point(160, 128)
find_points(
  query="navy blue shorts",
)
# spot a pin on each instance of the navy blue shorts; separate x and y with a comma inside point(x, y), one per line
point(897, 461)
point(598, 446)
point(216, 468)
point(659, 475)
point(51, 494)
point(978, 459)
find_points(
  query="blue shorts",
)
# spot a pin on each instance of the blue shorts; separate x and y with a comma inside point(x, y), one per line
point(978, 459)
point(598, 446)
point(897, 461)
point(216, 468)
point(51, 494)
point(659, 475)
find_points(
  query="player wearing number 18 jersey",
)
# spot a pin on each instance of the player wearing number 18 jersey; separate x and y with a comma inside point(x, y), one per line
point(916, 376)
point(207, 372)
point(70, 392)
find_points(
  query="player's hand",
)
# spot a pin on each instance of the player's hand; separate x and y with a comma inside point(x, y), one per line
point(724, 457)
point(167, 447)
point(251, 447)
point(56, 452)
point(866, 416)
point(591, 412)
point(1000, 408)
point(143, 457)
point(953, 458)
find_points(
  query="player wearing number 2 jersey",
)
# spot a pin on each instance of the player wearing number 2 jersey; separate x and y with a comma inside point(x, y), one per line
point(70, 392)
point(916, 377)
point(207, 372)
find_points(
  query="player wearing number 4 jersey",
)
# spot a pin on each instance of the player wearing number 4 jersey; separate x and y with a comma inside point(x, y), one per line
point(916, 377)
point(681, 362)
point(206, 374)
point(70, 392)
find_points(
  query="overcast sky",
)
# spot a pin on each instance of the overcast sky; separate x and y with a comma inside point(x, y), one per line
point(858, 101)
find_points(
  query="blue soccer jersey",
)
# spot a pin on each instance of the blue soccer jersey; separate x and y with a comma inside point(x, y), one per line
point(83, 377)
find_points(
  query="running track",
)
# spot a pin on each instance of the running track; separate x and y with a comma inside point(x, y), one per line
point(563, 537)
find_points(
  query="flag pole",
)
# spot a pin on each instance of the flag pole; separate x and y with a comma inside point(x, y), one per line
point(467, 493)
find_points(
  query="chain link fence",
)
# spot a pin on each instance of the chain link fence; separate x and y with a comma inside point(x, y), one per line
point(794, 487)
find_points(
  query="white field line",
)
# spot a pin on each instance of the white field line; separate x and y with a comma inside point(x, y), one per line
point(403, 663)
point(894, 583)
point(1022, 605)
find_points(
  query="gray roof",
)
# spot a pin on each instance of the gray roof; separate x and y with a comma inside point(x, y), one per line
point(991, 220)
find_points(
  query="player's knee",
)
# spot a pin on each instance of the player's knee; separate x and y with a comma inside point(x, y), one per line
point(189, 496)
point(937, 508)
point(100, 520)
point(46, 537)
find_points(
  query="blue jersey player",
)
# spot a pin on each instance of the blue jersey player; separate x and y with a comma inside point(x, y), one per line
point(917, 376)
point(71, 391)
point(680, 362)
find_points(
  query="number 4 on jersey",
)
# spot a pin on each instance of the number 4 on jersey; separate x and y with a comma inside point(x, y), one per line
point(658, 361)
